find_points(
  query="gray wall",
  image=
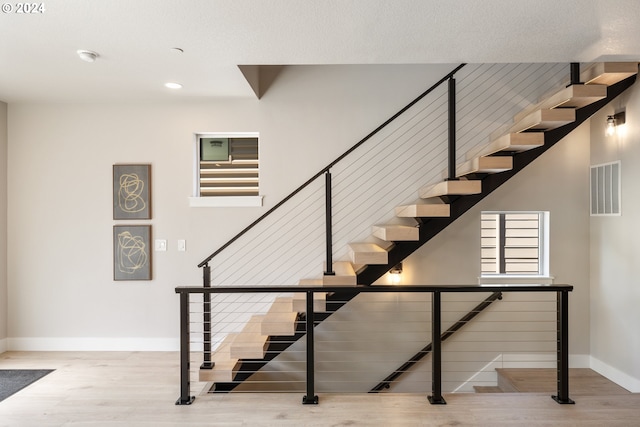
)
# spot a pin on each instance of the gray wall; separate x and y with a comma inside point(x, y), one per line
point(615, 289)
point(3, 227)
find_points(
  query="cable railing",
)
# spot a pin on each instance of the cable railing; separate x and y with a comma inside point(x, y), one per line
point(296, 239)
point(362, 344)
point(385, 169)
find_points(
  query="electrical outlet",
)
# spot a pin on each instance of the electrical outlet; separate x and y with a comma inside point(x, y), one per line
point(161, 245)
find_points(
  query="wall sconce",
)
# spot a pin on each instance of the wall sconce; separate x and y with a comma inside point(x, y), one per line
point(614, 121)
point(395, 273)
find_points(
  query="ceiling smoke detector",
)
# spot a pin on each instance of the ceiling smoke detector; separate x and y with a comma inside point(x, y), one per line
point(87, 55)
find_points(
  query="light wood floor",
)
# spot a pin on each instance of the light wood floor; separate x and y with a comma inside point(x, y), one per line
point(139, 389)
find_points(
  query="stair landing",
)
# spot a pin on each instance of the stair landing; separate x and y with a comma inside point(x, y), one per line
point(582, 381)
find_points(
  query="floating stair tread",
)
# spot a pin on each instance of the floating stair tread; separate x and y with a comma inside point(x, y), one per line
point(545, 119)
point(608, 73)
point(368, 253)
point(451, 188)
point(485, 165)
point(319, 300)
point(396, 233)
point(574, 96)
point(280, 319)
point(345, 275)
point(225, 367)
point(250, 343)
point(522, 141)
point(423, 211)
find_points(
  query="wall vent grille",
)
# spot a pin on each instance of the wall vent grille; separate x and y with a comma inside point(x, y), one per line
point(605, 189)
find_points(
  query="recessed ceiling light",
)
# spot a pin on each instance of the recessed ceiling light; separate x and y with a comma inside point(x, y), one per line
point(87, 55)
point(172, 85)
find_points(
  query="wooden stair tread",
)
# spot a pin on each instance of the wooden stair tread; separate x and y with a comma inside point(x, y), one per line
point(250, 343)
point(280, 319)
point(225, 367)
point(451, 188)
point(608, 73)
point(485, 164)
point(345, 275)
point(522, 141)
point(543, 120)
point(574, 96)
point(368, 253)
point(423, 211)
point(319, 300)
point(396, 233)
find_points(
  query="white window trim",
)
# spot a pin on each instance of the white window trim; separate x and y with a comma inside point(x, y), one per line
point(196, 201)
point(544, 278)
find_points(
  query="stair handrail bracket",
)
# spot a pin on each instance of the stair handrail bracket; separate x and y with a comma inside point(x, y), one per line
point(562, 319)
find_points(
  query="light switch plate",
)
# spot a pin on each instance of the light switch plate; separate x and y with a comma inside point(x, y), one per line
point(182, 245)
point(161, 245)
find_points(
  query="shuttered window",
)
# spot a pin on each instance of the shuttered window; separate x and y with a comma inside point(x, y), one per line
point(228, 165)
point(513, 243)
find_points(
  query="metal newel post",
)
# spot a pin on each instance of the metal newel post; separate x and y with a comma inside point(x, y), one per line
point(436, 345)
point(328, 219)
point(206, 319)
point(452, 129)
point(310, 398)
point(184, 398)
point(563, 349)
point(575, 73)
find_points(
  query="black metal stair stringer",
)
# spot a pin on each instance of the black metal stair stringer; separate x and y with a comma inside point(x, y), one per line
point(428, 348)
point(430, 227)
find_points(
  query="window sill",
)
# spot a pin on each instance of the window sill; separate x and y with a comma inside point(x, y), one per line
point(519, 280)
point(225, 202)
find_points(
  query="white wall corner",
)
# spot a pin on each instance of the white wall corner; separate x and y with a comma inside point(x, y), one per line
point(579, 361)
point(621, 378)
point(3, 345)
point(93, 344)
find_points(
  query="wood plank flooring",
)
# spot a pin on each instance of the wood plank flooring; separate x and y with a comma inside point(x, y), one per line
point(139, 389)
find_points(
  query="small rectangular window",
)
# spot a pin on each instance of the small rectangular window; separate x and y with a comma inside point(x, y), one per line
point(514, 243)
point(228, 165)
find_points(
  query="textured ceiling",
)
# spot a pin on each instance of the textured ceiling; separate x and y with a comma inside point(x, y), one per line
point(38, 61)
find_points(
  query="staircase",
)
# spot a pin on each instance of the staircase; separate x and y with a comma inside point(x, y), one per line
point(533, 131)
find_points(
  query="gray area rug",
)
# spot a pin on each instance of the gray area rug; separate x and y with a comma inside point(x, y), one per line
point(14, 380)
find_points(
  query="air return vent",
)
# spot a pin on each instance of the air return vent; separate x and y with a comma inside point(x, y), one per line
point(605, 189)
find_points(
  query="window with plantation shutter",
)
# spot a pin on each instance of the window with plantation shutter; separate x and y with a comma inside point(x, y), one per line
point(514, 243)
point(227, 170)
point(228, 166)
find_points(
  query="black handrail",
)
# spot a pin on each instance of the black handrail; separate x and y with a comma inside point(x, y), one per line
point(428, 348)
point(330, 165)
point(562, 292)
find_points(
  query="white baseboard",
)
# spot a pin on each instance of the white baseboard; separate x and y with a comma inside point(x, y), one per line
point(617, 376)
point(3, 345)
point(579, 361)
point(93, 344)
